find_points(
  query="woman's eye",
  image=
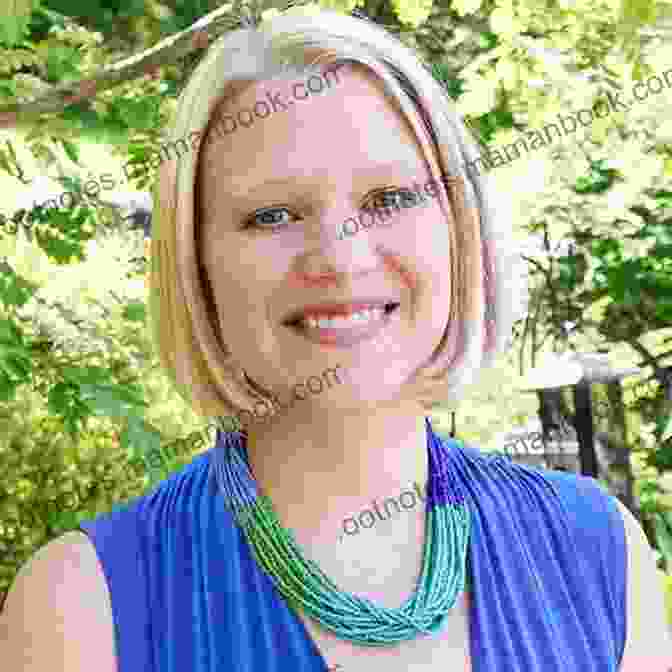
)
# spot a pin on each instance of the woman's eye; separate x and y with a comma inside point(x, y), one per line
point(398, 198)
point(269, 218)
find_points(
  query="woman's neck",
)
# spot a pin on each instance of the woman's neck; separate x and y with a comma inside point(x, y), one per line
point(327, 466)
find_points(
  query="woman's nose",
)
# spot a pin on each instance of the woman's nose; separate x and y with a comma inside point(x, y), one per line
point(331, 247)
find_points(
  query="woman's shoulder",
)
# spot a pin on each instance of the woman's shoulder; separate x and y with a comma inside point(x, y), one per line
point(57, 614)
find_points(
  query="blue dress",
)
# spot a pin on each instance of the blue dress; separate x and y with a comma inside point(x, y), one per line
point(546, 566)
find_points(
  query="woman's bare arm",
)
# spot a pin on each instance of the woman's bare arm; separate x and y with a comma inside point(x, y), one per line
point(648, 645)
point(57, 615)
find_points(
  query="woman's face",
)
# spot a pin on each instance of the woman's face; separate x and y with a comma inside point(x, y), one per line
point(274, 196)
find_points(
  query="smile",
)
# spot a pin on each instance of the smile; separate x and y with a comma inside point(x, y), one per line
point(344, 327)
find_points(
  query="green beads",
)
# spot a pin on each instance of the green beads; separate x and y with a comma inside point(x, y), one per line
point(305, 587)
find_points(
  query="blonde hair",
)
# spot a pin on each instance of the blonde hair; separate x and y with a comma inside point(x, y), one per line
point(486, 287)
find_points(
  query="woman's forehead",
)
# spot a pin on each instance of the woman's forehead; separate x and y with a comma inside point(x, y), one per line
point(353, 116)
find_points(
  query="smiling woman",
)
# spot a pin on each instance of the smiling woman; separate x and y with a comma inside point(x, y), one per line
point(502, 567)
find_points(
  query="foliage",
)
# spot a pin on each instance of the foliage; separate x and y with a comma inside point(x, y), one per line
point(50, 480)
point(77, 376)
point(600, 272)
point(667, 582)
point(663, 528)
point(50, 483)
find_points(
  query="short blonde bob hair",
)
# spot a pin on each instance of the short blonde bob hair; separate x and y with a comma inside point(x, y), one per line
point(487, 286)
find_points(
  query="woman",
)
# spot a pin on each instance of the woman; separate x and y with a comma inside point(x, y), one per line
point(255, 289)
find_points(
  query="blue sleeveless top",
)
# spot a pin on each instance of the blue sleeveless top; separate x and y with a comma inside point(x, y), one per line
point(546, 565)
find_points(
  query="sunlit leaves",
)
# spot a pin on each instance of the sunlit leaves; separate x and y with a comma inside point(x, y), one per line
point(569, 186)
point(7, 90)
point(91, 391)
point(15, 59)
point(14, 289)
point(508, 72)
point(464, 7)
point(412, 12)
point(638, 12)
point(60, 61)
point(598, 180)
point(344, 6)
point(135, 311)
point(62, 232)
point(14, 20)
point(15, 361)
point(664, 427)
point(139, 113)
point(113, 400)
point(139, 438)
point(504, 23)
point(9, 161)
point(71, 150)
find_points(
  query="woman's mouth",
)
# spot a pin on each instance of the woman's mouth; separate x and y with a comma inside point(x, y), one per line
point(344, 326)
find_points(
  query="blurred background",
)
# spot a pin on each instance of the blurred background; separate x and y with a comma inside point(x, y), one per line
point(88, 418)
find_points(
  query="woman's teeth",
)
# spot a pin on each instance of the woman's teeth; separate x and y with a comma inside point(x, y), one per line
point(343, 321)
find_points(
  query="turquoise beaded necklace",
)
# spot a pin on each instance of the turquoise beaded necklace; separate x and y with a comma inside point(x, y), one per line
point(303, 584)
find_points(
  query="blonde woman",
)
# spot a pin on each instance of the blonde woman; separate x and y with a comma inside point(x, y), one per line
point(233, 563)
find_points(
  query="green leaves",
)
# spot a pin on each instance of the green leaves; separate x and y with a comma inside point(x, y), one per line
point(487, 125)
point(488, 40)
point(663, 527)
point(572, 270)
point(112, 400)
point(464, 7)
point(638, 12)
point(90, 391)
point(15, 360)
point(140, 440)
point(664, 427)
point(140, 113)
point(135, 311)
point(14, 290)
point(61, 60)
point(14, 20)
point(9, 161)
point(599, 179)
point(412, 12)
point(61, 520)
point(7, 87)
point(71, 150)
point(63, 236)
point(664, 198)
point(454, 86)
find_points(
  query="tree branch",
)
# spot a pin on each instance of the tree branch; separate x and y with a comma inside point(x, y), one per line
point(659, 373)
point(546, 272)
point(649, 359)
point(166, 52)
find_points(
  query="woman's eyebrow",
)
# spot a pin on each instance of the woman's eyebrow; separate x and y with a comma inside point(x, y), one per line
point(409, 170)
